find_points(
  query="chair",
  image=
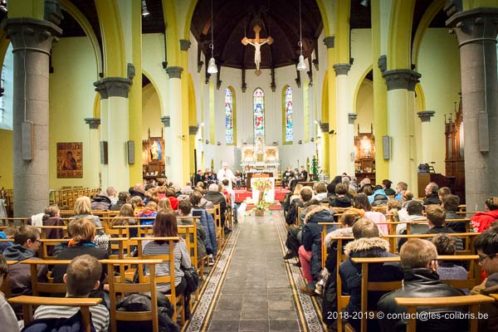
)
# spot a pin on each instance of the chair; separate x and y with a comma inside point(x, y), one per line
point(122, 286)
point(472, 301)
point(45, 287)
point(28, 302)
point(168, 258)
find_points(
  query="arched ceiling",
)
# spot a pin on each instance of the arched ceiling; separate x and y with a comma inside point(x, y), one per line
point(234, 19)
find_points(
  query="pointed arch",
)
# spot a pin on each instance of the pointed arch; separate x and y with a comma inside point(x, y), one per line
point(87, 28)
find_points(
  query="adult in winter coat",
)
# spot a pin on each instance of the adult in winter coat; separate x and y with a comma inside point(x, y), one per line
point(420, 280)
point(310, 253)
point(207, 222)
point(367, 243)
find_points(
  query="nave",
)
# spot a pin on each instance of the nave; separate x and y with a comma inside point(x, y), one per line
point(251, 287)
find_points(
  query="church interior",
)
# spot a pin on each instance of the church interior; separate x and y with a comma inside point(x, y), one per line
point(265, 154)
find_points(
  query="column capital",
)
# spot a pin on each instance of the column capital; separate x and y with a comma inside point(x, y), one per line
point(32, 34)
point(475, 25)
point(192, 130)
point(425, 116)
point(342, 68)
point(93, 123)
point(329, 41)
point(352, 117)
point(166, 120)
point(174, 72)
point(113, 87)
point(185, 44)
point(401, 79)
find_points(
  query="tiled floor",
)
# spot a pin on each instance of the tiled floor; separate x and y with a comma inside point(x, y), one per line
point(256, 295)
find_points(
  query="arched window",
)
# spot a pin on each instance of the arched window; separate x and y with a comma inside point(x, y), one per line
point(230, 122)
point(288, 121)
point(7, 86)
point(259, 113)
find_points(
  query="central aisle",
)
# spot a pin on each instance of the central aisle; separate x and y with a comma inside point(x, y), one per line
point(256, 295)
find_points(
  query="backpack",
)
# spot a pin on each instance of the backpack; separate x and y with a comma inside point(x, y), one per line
point(141, 302)
point(192, 279)
point(71, 324)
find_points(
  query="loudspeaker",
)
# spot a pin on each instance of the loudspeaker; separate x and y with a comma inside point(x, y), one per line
point(103, 153)
point(386, 147)
point(131, 152)
point(27, 141)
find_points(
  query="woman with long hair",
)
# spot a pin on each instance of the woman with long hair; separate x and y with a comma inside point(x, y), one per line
point(165, 226)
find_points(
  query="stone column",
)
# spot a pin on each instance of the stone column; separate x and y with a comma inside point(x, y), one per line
point(93, 155)
point(476, 31)
point(327, 141)
point(426, 133)
point(115, 130)
point(175, 167)
point(32, 41)
point(345, 141)
point(400, 105)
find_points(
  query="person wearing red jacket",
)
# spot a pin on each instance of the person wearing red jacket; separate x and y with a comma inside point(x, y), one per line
point(483, 220)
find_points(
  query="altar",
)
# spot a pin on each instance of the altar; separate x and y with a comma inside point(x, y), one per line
point(259, 159)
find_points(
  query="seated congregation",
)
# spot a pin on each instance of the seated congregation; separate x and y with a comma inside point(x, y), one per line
point(117, 262)
point(367, 252)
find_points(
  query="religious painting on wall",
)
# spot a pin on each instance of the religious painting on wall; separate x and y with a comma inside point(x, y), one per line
point(70, 160)
point(153, 156)
point(247, 154)
point(271, 154)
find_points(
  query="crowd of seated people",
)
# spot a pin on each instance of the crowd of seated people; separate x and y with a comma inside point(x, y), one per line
point(83, 239)
point(375, 212)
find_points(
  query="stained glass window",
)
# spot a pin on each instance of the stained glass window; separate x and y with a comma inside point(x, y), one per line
point(288, 120)
point(259, 113)
point(229, 117)
point(8, 93)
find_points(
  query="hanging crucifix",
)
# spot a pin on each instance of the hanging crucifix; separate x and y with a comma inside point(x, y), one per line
point(257, 43)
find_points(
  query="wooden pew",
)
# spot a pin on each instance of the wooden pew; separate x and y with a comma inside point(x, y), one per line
point(28, 302)
point(45, 287)
point(123, 287)
point(472, 301)
point(168, 258)
point(367, 286)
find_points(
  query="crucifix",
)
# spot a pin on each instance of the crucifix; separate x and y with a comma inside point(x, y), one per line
point(257, 43)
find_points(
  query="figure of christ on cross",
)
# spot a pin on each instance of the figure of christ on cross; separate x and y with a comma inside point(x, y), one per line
point(257, 43)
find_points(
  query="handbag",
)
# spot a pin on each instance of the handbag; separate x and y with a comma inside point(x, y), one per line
point(192, 279)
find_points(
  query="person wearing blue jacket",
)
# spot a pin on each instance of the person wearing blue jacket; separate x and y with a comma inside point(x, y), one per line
point(207, 223)
point(310, 253)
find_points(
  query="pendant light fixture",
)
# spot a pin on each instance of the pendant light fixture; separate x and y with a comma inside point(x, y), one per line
point(145, 11)
point(212, 68)
point(301, 66)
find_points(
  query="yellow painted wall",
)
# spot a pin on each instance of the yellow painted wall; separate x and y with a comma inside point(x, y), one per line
point(439, 64)
point(151, 113)
point(71, 100)
point(6, 166)
point(364, 107)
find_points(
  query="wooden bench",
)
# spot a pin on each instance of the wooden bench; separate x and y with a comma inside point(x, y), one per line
point(471, 301)
point(28, 302)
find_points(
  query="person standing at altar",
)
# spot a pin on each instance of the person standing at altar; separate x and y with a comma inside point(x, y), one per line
point(209, 177)
point(226, 173)
point(287, 176)
point(303, 174)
